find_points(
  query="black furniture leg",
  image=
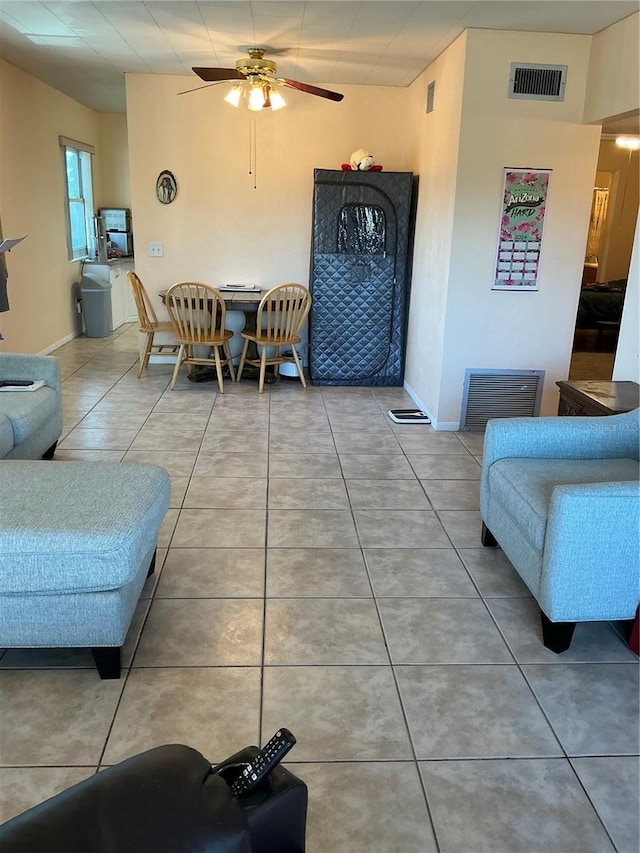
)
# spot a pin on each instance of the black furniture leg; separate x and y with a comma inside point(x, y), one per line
point(107, 659)
point(152, 565)
point(487, 538)
point(556, 636)
point(48, 454)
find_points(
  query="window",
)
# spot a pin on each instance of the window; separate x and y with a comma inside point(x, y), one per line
point(79, 197)
point(361, 229)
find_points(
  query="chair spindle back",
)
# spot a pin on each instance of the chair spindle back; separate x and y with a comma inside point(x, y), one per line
point(282, 312)
point(197, 312)
point(146, 315)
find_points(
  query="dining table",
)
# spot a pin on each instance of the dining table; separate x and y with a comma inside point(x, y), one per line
point(241, 300)
point(246, 301)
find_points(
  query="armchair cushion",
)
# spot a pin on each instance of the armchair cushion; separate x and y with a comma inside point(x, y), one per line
point(526, 486)
point(70, 527)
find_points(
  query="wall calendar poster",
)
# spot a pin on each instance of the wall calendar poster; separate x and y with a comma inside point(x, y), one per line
point(523, 209)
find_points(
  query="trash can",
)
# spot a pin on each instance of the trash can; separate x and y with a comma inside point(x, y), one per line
point(288, 368)
point(95, 293)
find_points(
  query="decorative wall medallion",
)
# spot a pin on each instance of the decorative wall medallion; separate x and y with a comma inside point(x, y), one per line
point(166, 187)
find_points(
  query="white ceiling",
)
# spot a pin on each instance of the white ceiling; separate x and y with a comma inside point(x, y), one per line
point(84, 48)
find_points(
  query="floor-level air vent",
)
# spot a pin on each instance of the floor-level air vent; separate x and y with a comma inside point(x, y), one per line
point(537, 82)
point(499, 394)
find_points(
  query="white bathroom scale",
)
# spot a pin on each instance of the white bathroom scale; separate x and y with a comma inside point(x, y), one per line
point(409, 416)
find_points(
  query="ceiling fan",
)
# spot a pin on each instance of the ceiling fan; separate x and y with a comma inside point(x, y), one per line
point(258, 82)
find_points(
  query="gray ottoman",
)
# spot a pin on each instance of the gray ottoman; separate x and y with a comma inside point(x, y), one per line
point(77, 541)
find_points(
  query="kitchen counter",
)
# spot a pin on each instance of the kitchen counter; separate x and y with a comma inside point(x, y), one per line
point(110, 262)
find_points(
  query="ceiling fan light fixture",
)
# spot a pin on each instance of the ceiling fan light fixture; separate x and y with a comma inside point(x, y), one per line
point(233, 96)
point(277, 101)
point(256, 97)
point(258, 73)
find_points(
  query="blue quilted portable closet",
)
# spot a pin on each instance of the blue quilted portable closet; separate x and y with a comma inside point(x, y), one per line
point(360, 274)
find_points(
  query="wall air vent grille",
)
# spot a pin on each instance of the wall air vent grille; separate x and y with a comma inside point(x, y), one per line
point(431, 94)
point(537, 82)
point(499, 394)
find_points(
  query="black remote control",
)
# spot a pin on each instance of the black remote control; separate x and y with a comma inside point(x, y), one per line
point(263, 763)
point(16, 383)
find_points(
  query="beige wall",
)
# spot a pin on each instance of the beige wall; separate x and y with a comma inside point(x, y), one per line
point(115, 181)
point(32, 193)
point(220, 229)
point(613, 86)
point(436, 162)
point(492, 329)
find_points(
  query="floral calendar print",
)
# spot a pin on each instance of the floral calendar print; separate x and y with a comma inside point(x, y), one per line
point(519, 246)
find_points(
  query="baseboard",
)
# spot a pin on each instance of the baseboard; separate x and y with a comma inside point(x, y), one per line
point(61, 342)
point(75, 334)
point(442, 426)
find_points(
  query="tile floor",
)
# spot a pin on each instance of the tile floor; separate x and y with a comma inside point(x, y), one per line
point(321, 568)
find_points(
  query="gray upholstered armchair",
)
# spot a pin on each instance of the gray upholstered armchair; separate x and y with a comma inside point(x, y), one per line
point(30, 421)
point(561, 497)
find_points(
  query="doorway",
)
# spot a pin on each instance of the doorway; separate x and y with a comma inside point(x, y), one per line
point(609, 244)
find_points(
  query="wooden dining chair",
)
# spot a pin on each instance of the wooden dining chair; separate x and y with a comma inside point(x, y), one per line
point(281, 314)
point(198, 315)
point(148, 323)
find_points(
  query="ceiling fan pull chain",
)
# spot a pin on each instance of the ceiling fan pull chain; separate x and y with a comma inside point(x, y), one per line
point(253, 154)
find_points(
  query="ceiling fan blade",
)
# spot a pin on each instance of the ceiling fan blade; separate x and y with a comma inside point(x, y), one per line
point(312, 90)
point(211, 75)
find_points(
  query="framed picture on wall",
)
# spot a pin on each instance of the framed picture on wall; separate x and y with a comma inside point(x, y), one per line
point(524, 202)
point(166, 187)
